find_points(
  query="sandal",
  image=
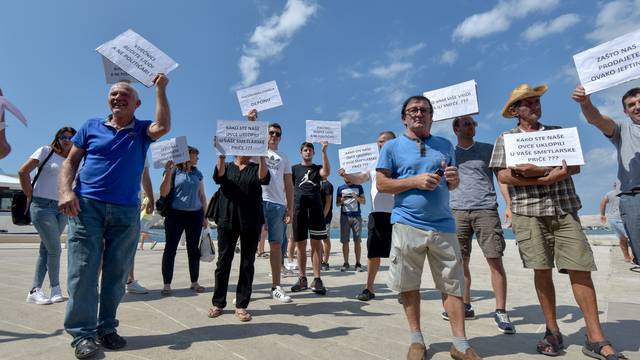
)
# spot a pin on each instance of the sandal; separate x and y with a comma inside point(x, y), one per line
point(198, 289)
point(166, 292)
point(551, 344)
point(594, 350)
point(243, 315)
point(214, 312)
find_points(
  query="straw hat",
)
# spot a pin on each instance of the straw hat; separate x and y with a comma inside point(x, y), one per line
point(523, 91)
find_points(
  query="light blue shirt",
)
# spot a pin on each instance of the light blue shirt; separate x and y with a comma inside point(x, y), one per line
point(423, 209)
point(185, 196)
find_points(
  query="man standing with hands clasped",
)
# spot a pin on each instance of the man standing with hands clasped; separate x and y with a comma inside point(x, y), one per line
point(104, 222)
point(418, 168)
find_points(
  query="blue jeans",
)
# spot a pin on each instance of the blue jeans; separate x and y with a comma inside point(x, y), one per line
point(50, 223)
point(101, 232)
point(630, 214)
point(276, 228)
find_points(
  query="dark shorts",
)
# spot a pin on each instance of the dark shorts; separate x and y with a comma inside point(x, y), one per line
point(379, 238)
point(309, 222)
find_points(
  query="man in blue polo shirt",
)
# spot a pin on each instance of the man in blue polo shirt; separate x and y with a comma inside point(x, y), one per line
point(418, 168)
point(103, 212)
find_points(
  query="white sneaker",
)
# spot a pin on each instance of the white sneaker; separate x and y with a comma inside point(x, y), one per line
point(38, 297)
point(291, 265)
point(279, 294)
point(56, 295)
point(134, 287)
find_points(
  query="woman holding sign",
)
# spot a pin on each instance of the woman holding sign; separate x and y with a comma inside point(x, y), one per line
point(238, 214)
point(49, 221)
point(186, 214)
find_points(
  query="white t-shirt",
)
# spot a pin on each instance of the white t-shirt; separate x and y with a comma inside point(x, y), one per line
point(278, 165)
point(47, 184)
point(381, 202)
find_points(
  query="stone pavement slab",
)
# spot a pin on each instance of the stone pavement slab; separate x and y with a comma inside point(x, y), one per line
point(313, 327)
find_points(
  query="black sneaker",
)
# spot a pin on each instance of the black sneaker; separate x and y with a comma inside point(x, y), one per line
point(469, 313)
point(344, 267)
point(325, 266)
point(366, 295)
point(86, 348)
point(504, 323)
point(112, 341)
point(318, 287)
point(300, 285)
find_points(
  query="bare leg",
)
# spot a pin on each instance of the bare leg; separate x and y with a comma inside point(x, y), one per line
point(454, 306)
point(357, 249)
point(345, 252)
point(263, 237)
point(466, 295)
point(143, 236)
point(546, 291)
point(411, 305)
point(316, 256)
point(498, 282)
point(624, 246)
point(301, 246)
point(291, 249)
point(326, 249)
point(372, 271)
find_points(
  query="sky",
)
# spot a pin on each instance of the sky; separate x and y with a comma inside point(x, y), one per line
point(353, 61)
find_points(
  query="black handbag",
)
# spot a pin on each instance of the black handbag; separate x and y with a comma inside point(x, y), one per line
point(163, 204)
point(212, 208)
point(20, 214)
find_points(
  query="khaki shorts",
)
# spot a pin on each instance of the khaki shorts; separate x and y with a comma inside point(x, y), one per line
point(410, 246)
point(543, 239)
point(485, 223)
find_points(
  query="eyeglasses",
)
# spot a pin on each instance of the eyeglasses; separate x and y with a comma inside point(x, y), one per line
point(275, 133)
point(414, 111)
point(64, 137)
point(465, 124)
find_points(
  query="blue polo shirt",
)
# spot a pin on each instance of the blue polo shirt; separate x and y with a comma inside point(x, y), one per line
point(113, 161)
point(422, 209)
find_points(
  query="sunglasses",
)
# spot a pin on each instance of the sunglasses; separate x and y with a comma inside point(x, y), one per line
point(64, 137)
point(275, 133)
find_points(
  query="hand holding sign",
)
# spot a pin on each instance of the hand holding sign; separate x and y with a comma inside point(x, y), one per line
point(543, 148)
point(173, 150)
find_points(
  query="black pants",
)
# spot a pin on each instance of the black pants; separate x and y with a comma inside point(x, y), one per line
point(175, 223)
point(227, 239)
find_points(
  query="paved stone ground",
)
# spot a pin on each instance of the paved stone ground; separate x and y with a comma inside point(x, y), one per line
point(312, 327)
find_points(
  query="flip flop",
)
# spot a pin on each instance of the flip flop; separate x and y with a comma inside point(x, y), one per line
point(243, 315)
point(198, 289)
point(166, 292)
point(214, 312)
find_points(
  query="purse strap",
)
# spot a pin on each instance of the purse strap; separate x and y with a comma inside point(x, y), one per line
point(40, 168)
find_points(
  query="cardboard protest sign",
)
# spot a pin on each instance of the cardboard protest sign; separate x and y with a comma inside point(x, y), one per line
point(244, 138)
point(361, 158)
point(260, 97)
point(330, 131)
point(114, 74)
point(609, 64)
point(455, 100)
point(138, 57)
point(6, 104)
point(544, 148)
point(175, 149)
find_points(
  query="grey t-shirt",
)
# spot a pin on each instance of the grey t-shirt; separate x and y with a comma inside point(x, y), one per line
point(476, 190)
point(613, 206)
point(626, 138)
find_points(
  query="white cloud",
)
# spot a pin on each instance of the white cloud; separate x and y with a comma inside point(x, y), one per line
point(349, 117)
point(499, 18)
point(545, 28)
point(449, 57)
point(399, 54)
point(614, 19)
point(391, 70)
point(271, 38)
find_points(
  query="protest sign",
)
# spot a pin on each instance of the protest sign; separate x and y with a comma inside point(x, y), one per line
point(113, 73)
point(361, 158)
point(544, 148)
point(329, 131)
point(609, 64)
point(138, 57)
point(242, 138)
point(260, 97)
point(175, 149)
point(6, 104)
point(455, 100)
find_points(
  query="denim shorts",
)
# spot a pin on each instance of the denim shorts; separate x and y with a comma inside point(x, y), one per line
point(274, 218)
point(618, 227)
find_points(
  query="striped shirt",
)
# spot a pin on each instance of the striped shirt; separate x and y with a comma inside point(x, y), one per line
point(559, 198)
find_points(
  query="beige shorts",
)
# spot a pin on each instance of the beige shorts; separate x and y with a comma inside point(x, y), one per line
point(543, 239)
point(485, 224)
point(410, 246)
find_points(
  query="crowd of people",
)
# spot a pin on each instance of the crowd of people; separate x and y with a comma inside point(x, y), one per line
point(429, 198)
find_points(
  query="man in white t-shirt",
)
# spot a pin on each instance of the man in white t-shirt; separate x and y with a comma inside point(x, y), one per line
point(379, 224)
point(277, 204)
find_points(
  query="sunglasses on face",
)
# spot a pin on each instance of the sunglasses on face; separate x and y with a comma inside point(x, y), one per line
point(64, 137)
point(274, 133)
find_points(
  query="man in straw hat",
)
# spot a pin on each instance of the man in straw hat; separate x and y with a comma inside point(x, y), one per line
point(419, 169)
point(625, 136)
point(544, 207)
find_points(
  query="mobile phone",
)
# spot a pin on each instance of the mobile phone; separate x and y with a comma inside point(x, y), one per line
point(439, 172)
